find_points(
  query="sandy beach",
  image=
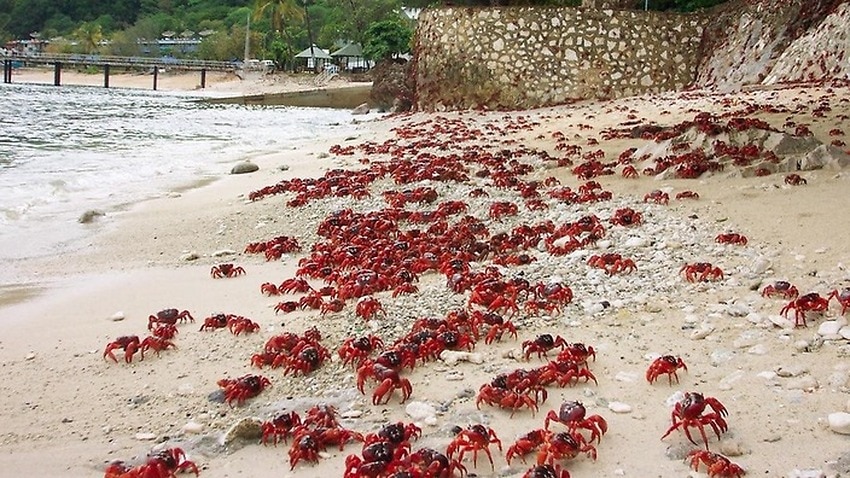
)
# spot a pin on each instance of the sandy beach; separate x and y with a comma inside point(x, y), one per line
point(67, 411)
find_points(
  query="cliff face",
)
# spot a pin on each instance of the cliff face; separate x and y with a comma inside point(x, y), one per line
point(774, 41)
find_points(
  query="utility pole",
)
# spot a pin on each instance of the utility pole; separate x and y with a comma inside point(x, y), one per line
point(645, 5)
point(247, 36)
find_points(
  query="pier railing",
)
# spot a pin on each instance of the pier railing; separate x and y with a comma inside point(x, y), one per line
point(125, 61)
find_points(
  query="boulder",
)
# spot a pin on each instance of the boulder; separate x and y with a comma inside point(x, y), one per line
point(392, 86)
point(244, 167)
point(361, 110)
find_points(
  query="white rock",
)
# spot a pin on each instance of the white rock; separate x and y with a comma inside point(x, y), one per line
point(30, 356)
point(353, 413)
point(675, 398)
point(807, 473)
point(628, 377)
point(452, 357)
point(619, 407)
point(845, 332)
point(758, 349)
point(192, 428)
point(755, 318)
point(454, 377)
point(117, 317)
point(145, 436)
point(794, 370)
point(781, 322)
point(190, 256)
point(636, 241)
point(248, 428)
point(420, 411)
point(805, 382)
point(767, 375)
point(702, 332)
point(737, 310)
point(839, 422)
point(830, 328)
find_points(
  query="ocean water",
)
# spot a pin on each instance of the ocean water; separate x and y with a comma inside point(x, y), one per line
point(67, 150)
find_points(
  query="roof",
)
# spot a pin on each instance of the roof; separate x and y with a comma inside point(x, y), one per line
point(352, 49)
point(316, 53)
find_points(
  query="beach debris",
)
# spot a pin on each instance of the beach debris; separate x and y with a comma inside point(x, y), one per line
point(246, 429)
point(117, 316)
point(244, 167)
point(90, 216)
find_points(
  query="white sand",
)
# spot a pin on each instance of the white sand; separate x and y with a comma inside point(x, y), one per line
point(67, 412)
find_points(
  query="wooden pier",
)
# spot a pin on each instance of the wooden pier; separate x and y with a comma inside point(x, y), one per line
point(58, 60)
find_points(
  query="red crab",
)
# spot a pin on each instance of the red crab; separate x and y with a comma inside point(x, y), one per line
point(687, 195)
point(355, 351)
point(286, 307)
point(280, 427)
point(226, 270)
point(156, 344)
point(269, 289)
point(397, 434)
point(630, 172)
point(503, 208)
point(128, 343)
point(169, 316)
point(368, 307)
point(731, 238)
point(526, 444)
point(688, 412)
point(547, 471)
point(780, 287)
point(305, 447)
point(564, 373)
point(243, 388)
point(563, 446)
point(842, 297)
point(388, 380)
point(716, 464)
point(476, 437)
point(217, 321)
point(295, 285)
point(427, 462)
point(542, 344)
point(237, 325)
point(811, 302)
point(332, 306)
point(165, 332)
point(795, 180)
point(612, 263)
point(626, 217)
point(665, 364)
point(378, 460)
point(572, 415)
point(657, 196)
point(164, 464)
point(504, 398)
point(701, 271)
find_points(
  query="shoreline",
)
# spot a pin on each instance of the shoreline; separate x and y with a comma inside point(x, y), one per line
point(79, 412)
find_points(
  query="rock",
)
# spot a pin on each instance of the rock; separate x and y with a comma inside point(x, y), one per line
point(189, 256)
point(246, 429)
point(351, 414)
point(702, 332)
point(830, 328)
point(30, 356)
point(192, 428)
point(839, 422)
point(117, 317)
point(619, 407)
point(420, 411)
point(720, 356)
point(361, 109)
point(807, 473)
point(731, 447)
point(628, 377)
point(90, 216)
point(452, 357)
point(244, 167)
point(781, 322)
point(795, 370)
point(224, 252)
point(805, 382)
point(145, 436)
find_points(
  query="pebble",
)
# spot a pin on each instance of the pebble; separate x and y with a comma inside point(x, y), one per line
point(224, 252)
point(145, 436)
point(192, 428)
point(807, 473)
point(830, 328)
point(353, 413)
point(794, 370)
point(451, 357)
point(619, 407)
point(781, 322)
point(189, 256)
point(839, 422)
point(90, 216)
point(454, 377)
point(805, 382)
point(117, 317)
point(30, 356)
point(733, 448)
point(248, 428)
point(244, 167)
point(720, 356)
point(758, 349)
point(629, 377)
point(702, 332)
point(420, 411)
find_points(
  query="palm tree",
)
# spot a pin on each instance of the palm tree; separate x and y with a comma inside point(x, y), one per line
point(280, 11)
point(89, 35)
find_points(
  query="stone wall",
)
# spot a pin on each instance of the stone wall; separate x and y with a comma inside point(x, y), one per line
point(525, 57)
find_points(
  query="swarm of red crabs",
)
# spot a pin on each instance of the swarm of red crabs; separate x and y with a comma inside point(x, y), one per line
point(365, 259)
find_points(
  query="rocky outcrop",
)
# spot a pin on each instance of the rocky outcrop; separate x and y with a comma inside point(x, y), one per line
point(392, 88)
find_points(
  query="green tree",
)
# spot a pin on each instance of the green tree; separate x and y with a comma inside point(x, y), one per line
point(386, 39)
point(89, 35)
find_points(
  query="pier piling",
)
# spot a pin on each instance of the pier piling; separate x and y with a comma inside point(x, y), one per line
point(7, 71)
point(57, 74)
point(106, 76)
point(155, 75)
